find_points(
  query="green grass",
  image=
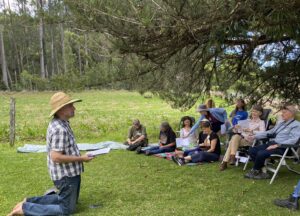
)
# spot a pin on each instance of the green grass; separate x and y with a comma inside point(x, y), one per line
point(124, 183)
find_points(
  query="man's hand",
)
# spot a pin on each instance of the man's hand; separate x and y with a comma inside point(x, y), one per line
point(271, 147)
point(87, 157)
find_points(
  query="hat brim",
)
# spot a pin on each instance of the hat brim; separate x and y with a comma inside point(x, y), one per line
point(202, 110)
point(58, 108)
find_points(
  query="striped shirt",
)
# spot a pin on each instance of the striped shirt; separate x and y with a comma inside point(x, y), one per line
point(60, 138)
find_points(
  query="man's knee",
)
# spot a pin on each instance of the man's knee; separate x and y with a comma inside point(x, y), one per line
point(262, 154)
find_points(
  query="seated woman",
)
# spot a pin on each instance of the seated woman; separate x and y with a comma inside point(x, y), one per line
point(137, 136)
point(239, 113)
point(184, 133)
point(167, 141)
point(209, 148)
point(255, 124)
point(185, 130)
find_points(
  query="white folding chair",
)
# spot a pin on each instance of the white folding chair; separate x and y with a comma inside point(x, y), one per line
point(283, 160)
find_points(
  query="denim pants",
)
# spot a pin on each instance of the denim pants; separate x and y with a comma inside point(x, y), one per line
point(63, 203)
point(191, 151)
point(296, 193)
point(203, 156)
point(158, 150)
point(259, 154)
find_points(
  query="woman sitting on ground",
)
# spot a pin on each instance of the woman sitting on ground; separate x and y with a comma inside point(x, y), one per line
point(167, 141)
point(185, 131)
point(255, 124)
point(184, 135)
point(209, 148)
point(239, 113)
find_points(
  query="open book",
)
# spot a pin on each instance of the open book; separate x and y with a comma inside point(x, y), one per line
point(182, 142)
point(98, 152)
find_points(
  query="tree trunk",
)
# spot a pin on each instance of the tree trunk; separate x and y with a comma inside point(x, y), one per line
point(63, 48)
point(52, 52)
point(3, 60)
point(79, 60)
point(86, 50)
point(41, 37)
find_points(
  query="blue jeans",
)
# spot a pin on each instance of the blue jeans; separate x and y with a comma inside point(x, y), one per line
point(203, 156)
point(260, 153)
point(191, 151)
point(296, 193)
point(63, 203)
point(158, 150)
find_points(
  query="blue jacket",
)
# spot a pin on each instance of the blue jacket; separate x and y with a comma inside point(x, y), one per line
point(219, 113)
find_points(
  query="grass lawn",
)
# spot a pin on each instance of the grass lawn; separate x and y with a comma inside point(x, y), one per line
point(124, 183)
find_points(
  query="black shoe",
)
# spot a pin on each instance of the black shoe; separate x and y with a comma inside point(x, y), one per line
point(179, 161)
point(251, 174)
point(290, 203)
point(139, 150)
point(174, 159)
point(261, 175)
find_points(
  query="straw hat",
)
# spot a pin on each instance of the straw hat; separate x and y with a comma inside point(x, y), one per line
point(59, 100)
point(202, 107)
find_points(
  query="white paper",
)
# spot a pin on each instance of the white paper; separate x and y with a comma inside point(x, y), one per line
point(243, 124)
point(243, 159)
point(182, 142)
point(99, 152)
point(223, 129)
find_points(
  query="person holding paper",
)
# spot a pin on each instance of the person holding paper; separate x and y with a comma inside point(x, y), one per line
point(185, 131)
point(209, 148)
point(184, 151)
point(167, 141)
point(137, 136)
point(65, 164)
point(245, 138)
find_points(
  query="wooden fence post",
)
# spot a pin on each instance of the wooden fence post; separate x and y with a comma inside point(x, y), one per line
point(12, 115)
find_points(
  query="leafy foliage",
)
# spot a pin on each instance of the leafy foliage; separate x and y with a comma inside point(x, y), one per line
point(186, 48)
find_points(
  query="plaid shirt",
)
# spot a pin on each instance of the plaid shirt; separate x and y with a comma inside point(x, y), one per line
point(60, 138)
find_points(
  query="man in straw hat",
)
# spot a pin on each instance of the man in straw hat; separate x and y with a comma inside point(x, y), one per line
point(65, 164)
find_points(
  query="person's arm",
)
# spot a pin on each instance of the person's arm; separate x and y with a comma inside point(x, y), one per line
point(141, 138)
point(57, 148)
point(172, 141)
point(293, 136)
point(169, 145)
point(59, 157)
point(213, 144)
point(263, 134)
point(129, 136)
point(196, 125)
point(224, 113)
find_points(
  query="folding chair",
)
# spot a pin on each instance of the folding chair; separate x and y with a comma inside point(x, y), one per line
point(292, 148)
